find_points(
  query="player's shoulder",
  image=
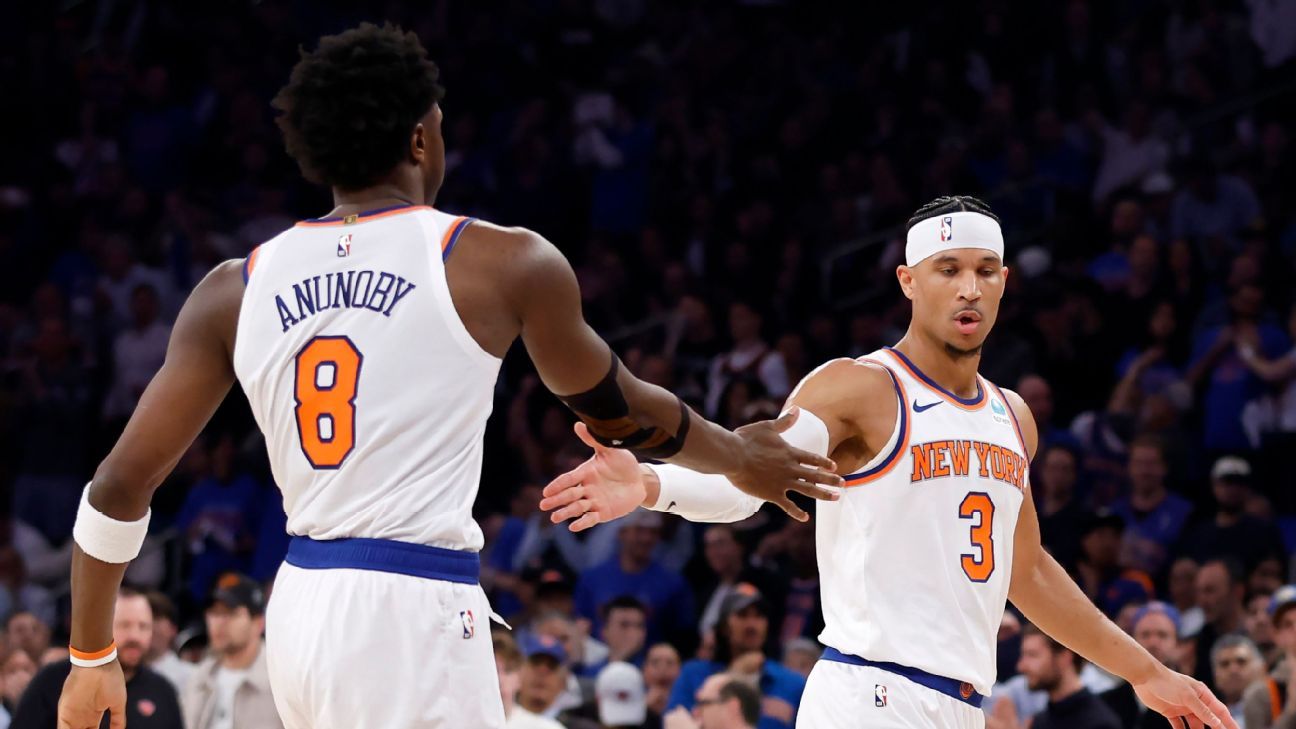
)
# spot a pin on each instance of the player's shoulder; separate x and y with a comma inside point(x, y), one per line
point(860, 376)
point(1025, 419)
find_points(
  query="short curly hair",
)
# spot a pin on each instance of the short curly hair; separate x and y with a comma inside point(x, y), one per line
point(350, 105)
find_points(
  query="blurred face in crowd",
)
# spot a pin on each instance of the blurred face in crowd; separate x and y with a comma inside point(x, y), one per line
point(1059, 472)
point(1235, 669)
point(27, 632)
point(17, 669)
point(562, 630)
point(1214, 594)
point(1039, 664)
point(132, 630)
point(543, 679)
point(624, 632)
point(1230, 495)
point(744, 324)
point(231, 630)
point(747, 630)
point(164, 633)
point(1266, 577)
point(723, 552)
point(1183, 583)
point(144, 305)
point(1147, 469)
point(1257, 622)
point(709, 710)
point(662, 666)
point(1144, 256)
point(1162, 323)
point(1101, 546)
point(638, 542)
point(956, 297)
point(510, 679)
point(1285, 630)
point(1156, 633)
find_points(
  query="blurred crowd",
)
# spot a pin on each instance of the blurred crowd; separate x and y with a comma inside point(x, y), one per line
point(730, 180)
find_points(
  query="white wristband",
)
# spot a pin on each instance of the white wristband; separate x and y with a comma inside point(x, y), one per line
point(98, 660)
point(105, 538)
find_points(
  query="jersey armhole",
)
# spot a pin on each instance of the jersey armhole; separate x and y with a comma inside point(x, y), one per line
point(888, 455)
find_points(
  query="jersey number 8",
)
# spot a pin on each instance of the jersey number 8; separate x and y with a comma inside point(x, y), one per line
point(327, 377)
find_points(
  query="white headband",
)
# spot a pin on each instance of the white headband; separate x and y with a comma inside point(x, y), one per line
point(956, 230)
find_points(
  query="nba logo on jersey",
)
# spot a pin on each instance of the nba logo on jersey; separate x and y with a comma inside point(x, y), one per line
point(879, 695)
point(344, 245)
point(469, 624)
point(947, 228)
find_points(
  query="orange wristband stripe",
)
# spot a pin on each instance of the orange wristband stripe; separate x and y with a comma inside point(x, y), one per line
point(95, 655)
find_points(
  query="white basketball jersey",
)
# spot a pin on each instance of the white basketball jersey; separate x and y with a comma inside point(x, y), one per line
point(915, 558)
point(372, 395)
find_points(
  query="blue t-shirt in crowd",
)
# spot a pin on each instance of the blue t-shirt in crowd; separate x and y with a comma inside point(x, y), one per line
point(217, 519)
point(1149, 537)
point(664, 593)
point(1231, 386)
point(780, 689)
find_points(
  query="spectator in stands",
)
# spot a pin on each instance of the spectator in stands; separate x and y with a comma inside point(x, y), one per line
point(1182, 586)
point(624, 630)
point(800, 655)
point(232, 687)
point(1237, 664)
point(750, 359)
point(162, 657)
point(1219, 592)
point(726, 558)
point(1051, 667)
point(508, 667)
point(151, 702)
point(661, 669)
point(621, 698)
point(1258, 625)
point(722, 702)
point(25, 632)
point(1231, 532)
point(16, 672)
point(1098, 572)
point(1271, 701)
point(634, 572)
point(740, 640)
point(1061, 516)
point(1157, 627)
point(17, 594)
point(544, 675)
point(1154, 517)
point(138, 352)
point(218, 519)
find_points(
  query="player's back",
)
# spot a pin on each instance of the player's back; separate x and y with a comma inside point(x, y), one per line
point(915, 558)
point(372, 395)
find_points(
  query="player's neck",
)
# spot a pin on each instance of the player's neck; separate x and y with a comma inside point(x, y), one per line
point(400, 189)
point(958, 374)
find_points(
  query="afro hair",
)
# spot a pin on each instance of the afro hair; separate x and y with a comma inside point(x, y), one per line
point(350, 105)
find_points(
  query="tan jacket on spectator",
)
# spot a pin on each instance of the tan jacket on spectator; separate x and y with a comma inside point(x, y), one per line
point(253, 705)
point(1260, 702)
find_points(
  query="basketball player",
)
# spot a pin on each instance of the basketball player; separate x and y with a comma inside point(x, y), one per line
point(934, 529)
point(368, 343)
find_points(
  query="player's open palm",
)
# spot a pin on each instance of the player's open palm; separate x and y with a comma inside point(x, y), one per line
point(1185, 701)
point(88, 693)
point(607, 486)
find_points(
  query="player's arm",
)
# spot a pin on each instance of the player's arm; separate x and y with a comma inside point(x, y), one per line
point(194, 379)
point(1050, 599)
point(619, 409)
point(817, 419)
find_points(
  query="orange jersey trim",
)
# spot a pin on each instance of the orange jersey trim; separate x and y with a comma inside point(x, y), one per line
point(360, 217)
point(971, 405)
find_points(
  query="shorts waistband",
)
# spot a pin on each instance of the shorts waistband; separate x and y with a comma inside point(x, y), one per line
point(952, 688)
point(384, 555)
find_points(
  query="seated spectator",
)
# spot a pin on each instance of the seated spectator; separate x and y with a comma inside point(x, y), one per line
point(218, 519)
point(25, 632)
point(634, 572)
point(1236, 662)
point(1270, 703)
point(508, 668)
point(661, 669)
point(1157, 627)
point(800, 655)
point(17, 595)
point(722, 702)
point(1154, 517)
point(544, 676)
point(1231, 532)
point(750, 359)
point(16, 672)
point(1258, 625)
point(161, 654)
point(726, 557)
point(739, 649)
point(624, 629)
point(232, 687)
point(1182, 585)
point(1051, 667)
point(151, 701)
point(1099, 574)
point(1061, 516)
point(622, 698)
point(1219, 592)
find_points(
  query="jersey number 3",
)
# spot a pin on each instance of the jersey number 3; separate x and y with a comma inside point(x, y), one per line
point(978, 508)
point(326, 381)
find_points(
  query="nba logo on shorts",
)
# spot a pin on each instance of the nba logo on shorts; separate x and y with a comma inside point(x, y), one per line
point(469, 625)
point(344, 246)
point(879, 694)
point(947, 228)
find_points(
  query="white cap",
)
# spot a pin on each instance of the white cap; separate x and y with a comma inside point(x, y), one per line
point(621, 695)
point(964, 229)
point(1231, 467)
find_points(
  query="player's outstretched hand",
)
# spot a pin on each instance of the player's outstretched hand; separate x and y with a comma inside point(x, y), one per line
point(772, 467)
point(1185, 701)
point(88, 693)
point(607, 486)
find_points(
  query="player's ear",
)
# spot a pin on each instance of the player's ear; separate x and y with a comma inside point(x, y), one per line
point(904, 275)
point(418, 143)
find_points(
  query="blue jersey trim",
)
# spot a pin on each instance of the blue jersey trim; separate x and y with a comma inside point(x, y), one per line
point(384, 555)
point(948, 686)
point(902, 436)
point(980, 396)
point(454, 237)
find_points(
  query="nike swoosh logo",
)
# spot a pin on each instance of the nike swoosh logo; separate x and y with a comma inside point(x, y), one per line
point(920, 408)
point(670, 506)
